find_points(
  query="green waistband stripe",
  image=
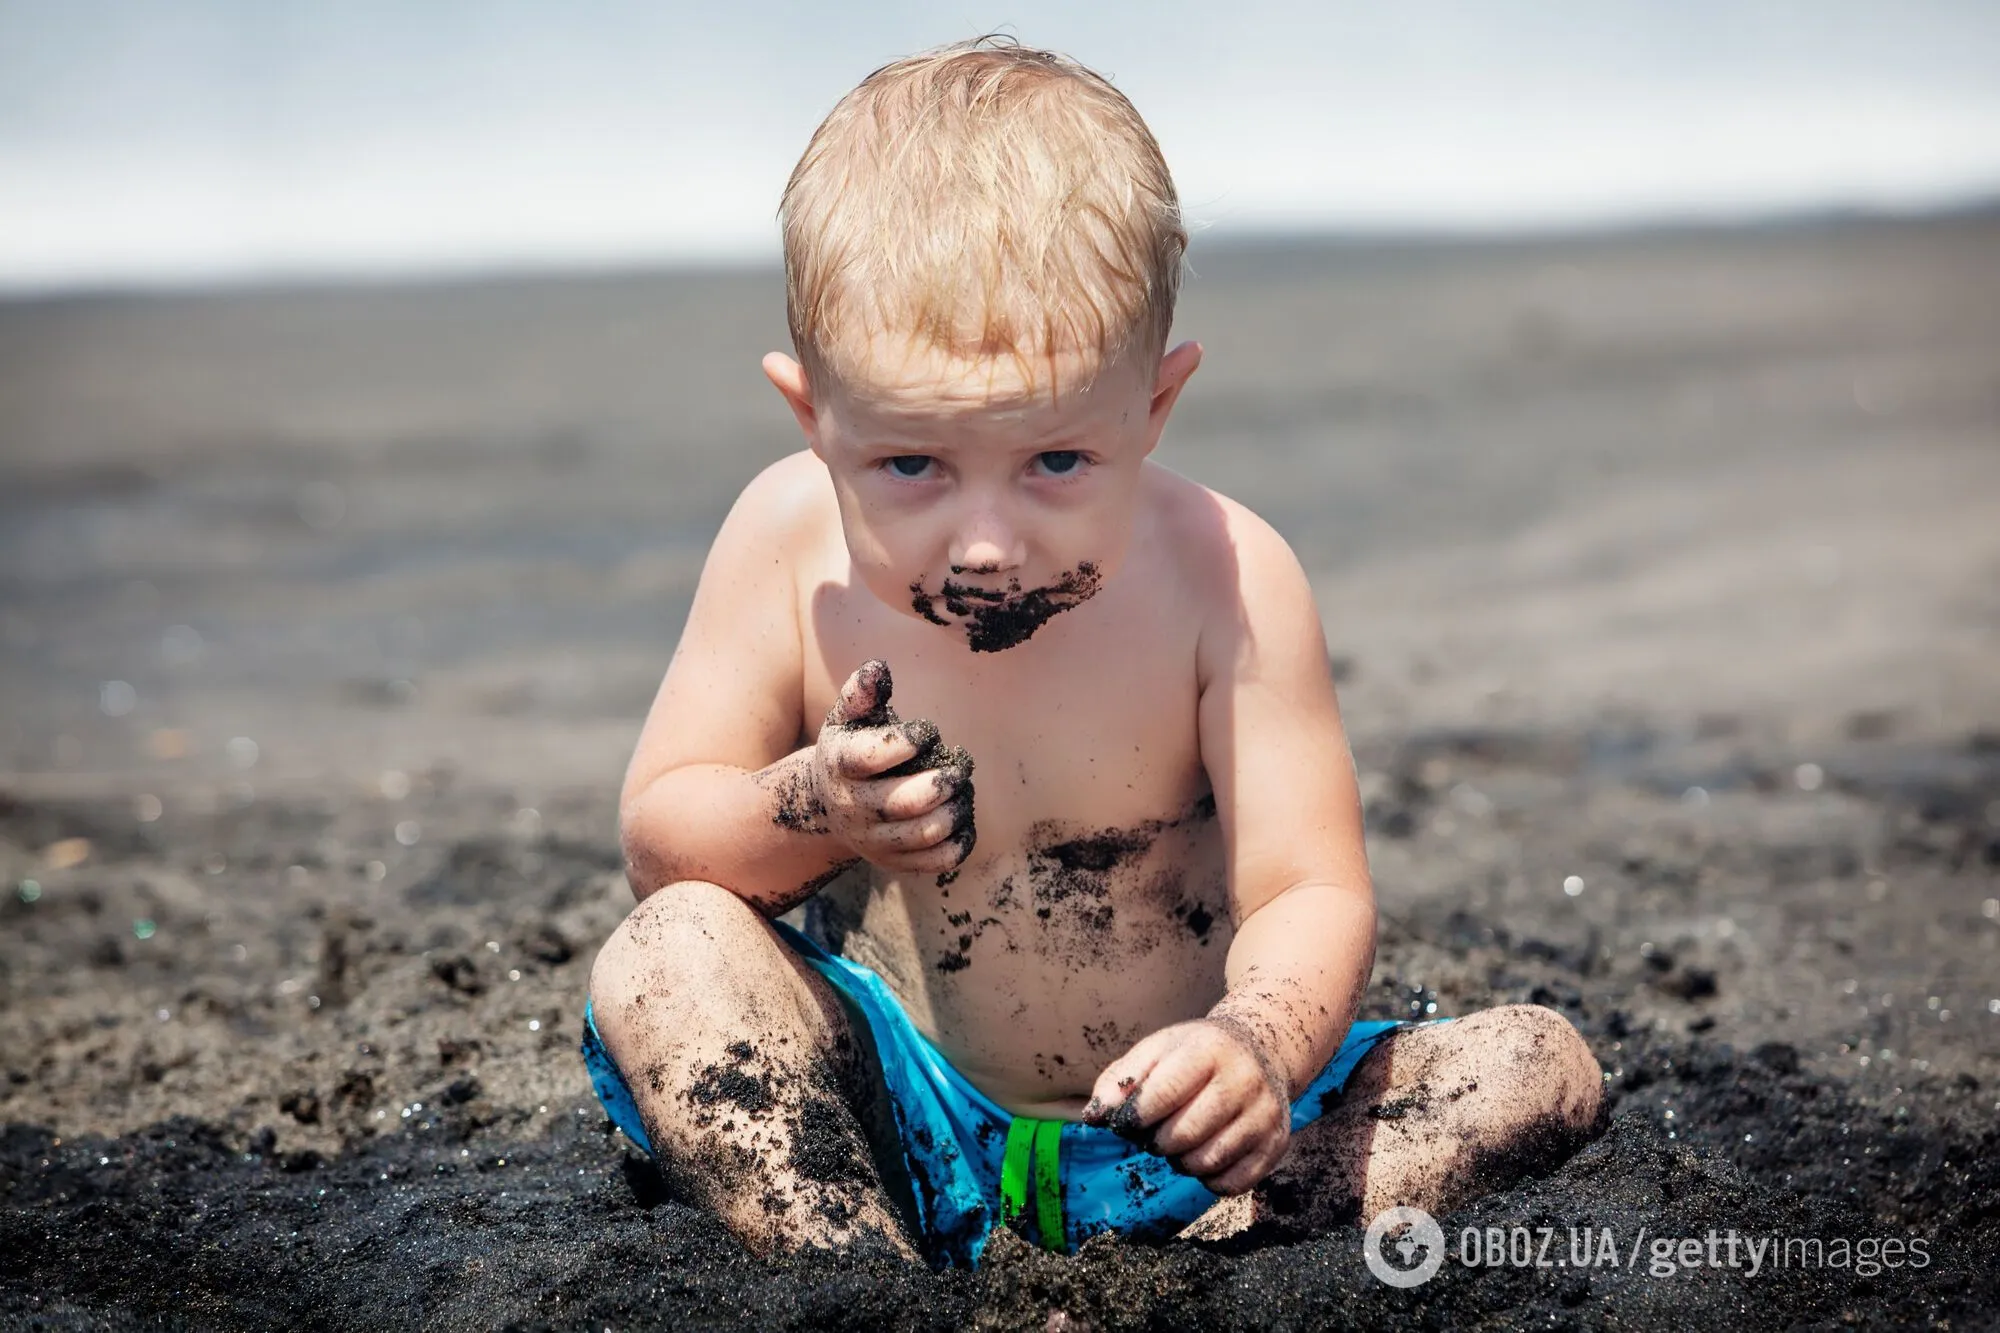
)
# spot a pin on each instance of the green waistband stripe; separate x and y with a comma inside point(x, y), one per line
point(1033, 1160)
point(1048, 1184)
point(1014, 1169)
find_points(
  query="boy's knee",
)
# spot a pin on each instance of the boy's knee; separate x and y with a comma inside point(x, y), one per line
point(673, 941)
point(1552, 1055)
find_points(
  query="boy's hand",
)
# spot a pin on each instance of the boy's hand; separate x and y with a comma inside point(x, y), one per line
point(892, 793)
point(1203, 1095)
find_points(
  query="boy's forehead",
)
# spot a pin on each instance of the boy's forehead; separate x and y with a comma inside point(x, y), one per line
point(914, 379)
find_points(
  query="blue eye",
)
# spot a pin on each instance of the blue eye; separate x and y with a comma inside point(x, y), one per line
point(909, 465)
point(1061, 462)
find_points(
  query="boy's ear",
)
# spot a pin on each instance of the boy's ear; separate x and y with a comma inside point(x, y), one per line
point(789, 378)
point(1176, 367)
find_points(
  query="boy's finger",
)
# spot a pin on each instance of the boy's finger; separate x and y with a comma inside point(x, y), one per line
point(865, 692)
point(1249, 1170)
point(1214, 1161)
point(911, 835)
point(1198, 1121)
point(906, 798)
point(1172, 1083)
point(945, 856)
point(925, 861)
point(1236, 1138)
point(863, 754)
point(1120, 1079)
point(1122, 1095)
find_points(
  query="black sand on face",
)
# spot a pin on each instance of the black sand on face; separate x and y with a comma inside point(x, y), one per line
point(995, 621)
point(1662, 570)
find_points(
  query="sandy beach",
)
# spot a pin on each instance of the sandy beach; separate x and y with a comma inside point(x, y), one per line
point(1662, 577)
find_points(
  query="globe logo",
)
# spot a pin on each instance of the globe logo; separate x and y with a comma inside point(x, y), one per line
point(1403, 1247)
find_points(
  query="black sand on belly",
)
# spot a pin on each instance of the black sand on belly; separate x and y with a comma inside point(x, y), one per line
point(1075, 876)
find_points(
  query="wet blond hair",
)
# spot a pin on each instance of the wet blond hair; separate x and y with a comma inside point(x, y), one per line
point(987, 199)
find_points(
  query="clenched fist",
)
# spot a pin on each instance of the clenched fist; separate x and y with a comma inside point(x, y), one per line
point(1204, 1096)
point(891, 791)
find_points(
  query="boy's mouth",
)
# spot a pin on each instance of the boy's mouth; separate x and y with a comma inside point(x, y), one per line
point(995, 619)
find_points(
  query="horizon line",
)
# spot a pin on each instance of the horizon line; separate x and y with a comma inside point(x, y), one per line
point(1234, 236)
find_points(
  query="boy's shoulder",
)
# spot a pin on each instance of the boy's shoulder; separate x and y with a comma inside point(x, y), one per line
point(787, 510)
point(788, 497)
point(1252, 595)
point(1226, 546)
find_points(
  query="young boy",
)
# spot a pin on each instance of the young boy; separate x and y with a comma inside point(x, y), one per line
point(1117, 981)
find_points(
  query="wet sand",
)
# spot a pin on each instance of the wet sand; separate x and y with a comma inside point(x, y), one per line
point(1662, 573)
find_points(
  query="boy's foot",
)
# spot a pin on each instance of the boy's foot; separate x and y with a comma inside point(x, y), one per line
point(1433, 1117)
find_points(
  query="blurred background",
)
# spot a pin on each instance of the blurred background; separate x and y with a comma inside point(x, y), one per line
point(373, 378)
point(224, 139)
point(352, 345)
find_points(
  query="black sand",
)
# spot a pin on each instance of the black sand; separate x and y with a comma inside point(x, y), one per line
point(1668, 564)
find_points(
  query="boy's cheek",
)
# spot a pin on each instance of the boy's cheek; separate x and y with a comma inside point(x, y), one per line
point(880, 545)
point(891, 593)
point(886, 572)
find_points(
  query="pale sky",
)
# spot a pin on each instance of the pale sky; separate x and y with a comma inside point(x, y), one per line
point(238, 139)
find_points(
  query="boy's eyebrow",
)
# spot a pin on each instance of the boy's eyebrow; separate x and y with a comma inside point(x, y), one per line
point(1061, 442)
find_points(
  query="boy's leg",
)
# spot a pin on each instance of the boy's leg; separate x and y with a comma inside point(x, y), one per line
point(1433, 1117)
point(746, 1071)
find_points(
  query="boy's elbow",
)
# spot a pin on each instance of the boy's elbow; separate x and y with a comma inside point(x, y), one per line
point(648, 866)
point(639, 876)
point(1348, 894)
point(643, 841)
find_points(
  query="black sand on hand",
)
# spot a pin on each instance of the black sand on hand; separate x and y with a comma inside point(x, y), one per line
point(952, 763)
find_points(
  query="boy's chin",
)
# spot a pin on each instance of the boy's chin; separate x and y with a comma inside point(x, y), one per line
point(996, 618)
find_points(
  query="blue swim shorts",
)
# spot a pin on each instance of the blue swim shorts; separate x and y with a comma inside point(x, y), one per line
point(972, 1165)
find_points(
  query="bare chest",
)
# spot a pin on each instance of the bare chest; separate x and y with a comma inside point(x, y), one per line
point(1091, 723)
point(1092, 907)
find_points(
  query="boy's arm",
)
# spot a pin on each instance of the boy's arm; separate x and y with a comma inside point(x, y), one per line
point(719, 750)
point(1218, 1090)
point(1274, 748)
point(719, 788)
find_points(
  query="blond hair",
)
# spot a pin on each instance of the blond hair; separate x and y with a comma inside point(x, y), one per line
point(988, 199)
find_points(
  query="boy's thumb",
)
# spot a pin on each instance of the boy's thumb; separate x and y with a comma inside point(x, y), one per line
point(864, 697)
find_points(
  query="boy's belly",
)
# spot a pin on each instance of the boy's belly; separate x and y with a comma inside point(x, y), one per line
point(1036, 967)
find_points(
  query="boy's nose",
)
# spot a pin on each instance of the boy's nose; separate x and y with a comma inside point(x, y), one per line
point(986, 546)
